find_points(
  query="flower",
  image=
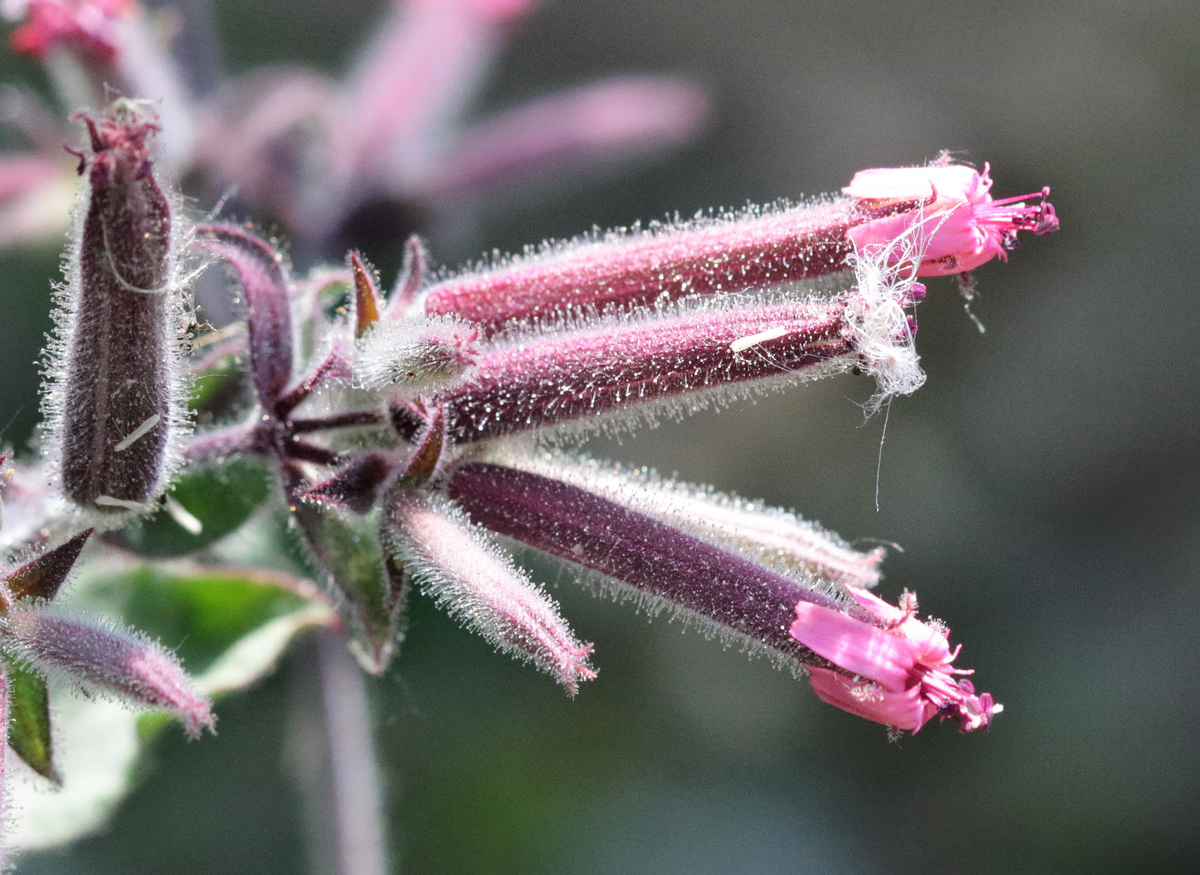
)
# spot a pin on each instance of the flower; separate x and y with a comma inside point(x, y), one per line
point(899, 673)
point(962, 226)
point(89, 26)
point(459, 564)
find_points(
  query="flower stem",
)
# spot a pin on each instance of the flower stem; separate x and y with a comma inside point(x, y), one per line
point(336, 766)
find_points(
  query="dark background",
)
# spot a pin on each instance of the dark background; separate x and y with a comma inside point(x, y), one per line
point(1042, 484)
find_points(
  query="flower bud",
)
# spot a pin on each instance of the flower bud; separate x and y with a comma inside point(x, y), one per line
point(263, 276)
point(104, 657)
point(459, 566)
point(115, 401)
point(415, 354)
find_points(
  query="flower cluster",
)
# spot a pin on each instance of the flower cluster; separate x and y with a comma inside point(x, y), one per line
point(461, 390)
point(408, 433)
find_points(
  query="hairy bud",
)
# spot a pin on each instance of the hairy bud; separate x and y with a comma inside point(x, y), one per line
point(106, 658)
point(458, 564)
point(114, 403)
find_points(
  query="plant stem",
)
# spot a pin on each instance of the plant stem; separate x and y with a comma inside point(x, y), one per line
point(335, 765)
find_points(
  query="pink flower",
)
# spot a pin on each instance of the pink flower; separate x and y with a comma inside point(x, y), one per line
point(899, 673)
point(957, 221)
point(87, 25)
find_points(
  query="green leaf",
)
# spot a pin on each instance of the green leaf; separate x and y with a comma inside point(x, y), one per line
point(97, 774)
point(204, 612)
point(29, 720)
point(346, 547)
point(205, 506)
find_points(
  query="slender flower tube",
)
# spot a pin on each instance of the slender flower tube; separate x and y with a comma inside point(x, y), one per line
point(771, 536)
point(105, 658)
point(960, 224)
point(115, 403)
point(673, 361)
point(905, 666)
point(896, 670)
point(753, 249)
point(458, 566)
point(654, 563)
point(735, 252)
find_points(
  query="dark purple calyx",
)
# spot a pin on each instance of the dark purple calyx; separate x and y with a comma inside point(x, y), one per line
point(121, 345)
point(569, 377)
point(263, 277)
point(722, 255)
point(636, 550)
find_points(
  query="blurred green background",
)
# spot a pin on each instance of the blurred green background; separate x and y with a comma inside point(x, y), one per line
point(1042, 484)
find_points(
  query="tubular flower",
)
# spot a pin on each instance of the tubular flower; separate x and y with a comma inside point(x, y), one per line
point(899, 673)
point(960, 224)
point(461, 568)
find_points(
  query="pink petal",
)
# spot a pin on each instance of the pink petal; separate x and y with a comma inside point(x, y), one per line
point(904, 710)
point(859, 648)
point(954, 181)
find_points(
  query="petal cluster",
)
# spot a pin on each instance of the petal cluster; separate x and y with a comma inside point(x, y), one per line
point(891, 667)
point(954, 215)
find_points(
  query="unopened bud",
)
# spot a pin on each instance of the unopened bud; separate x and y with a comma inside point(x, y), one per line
point(416, 354)
point(104, 657)
point(115, 403)
point(462, 569)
